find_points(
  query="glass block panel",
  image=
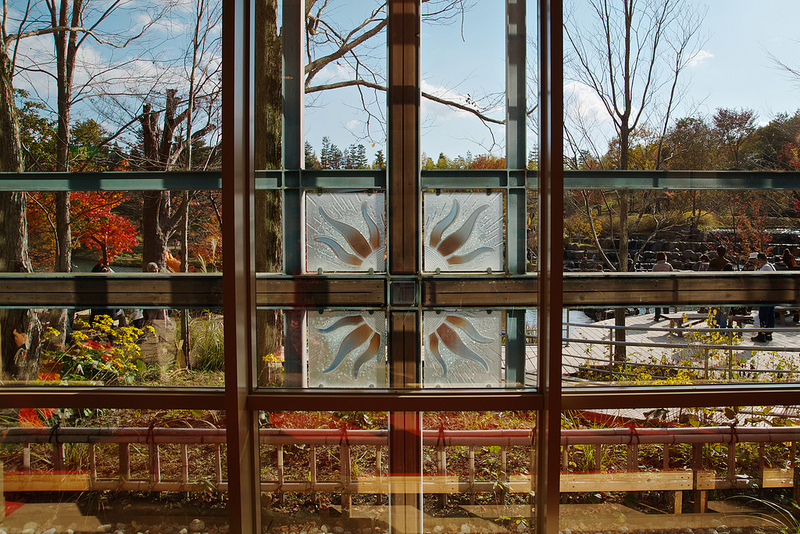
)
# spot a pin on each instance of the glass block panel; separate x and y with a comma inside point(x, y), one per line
point(347, 349)
point(345, 232)
point(462, 349)
point(463, 232)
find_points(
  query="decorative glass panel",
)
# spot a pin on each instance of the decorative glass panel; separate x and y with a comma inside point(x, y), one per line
point(463, 232)
point(347, 349)
point(345, 232)
point(462, 349)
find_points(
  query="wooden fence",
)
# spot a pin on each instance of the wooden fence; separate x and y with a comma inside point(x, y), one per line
point(593, 460)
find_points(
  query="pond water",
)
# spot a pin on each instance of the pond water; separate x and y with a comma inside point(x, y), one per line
point(85, 266)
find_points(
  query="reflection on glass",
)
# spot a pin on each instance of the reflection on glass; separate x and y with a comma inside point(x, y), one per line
point(480, 464)
point(463, 232)
point(121, 347)
point(333, 466)
point(704, 460)
point(75, 470)
point(345, 232)
point(686, 345)
point(463, 349)
point(347, 349)
point(475, 470)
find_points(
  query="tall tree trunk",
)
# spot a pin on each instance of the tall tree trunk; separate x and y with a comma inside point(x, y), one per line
point(620, 351)
point(155, 234)
point(159, 220)
point(14, 237)
point(268, 127)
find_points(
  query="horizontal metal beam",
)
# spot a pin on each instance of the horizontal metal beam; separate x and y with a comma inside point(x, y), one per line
point(679, 180)
point(581, 290)
point(84, 290)
point(111, 181)
point(617, 289)
point(680, 396)
point(129, 398)
point(320, 291)
point(366, 179)
point(478, 400)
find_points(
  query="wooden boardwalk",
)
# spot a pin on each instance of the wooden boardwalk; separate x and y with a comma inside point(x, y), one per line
point(732, 355)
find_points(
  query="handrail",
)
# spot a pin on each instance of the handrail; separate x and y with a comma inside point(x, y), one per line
point(156, 441)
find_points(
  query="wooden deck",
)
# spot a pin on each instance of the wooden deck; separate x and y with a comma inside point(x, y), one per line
point(656, 343)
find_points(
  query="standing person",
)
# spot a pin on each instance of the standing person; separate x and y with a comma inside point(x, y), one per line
point(703, 264)
point(788, 260)
point(719, 262)
point(719, 315)
point(114, 314)
point(766, 314)
point(661, 265)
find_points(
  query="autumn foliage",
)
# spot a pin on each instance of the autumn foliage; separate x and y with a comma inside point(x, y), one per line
point(95, 225)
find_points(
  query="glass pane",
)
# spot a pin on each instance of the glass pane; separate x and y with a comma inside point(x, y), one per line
point(476, 470)
point(462, 60)
point(145, 470)
point(685, 345)
point(703, 467)
point(347, 349)
point(345, 232)
point(331, 465)
point(345, 97)
point(463, 349)
point(118, 347)
point(717, 273)
point(463, 232)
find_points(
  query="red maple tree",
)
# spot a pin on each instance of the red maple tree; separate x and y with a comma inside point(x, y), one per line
point(94, 225)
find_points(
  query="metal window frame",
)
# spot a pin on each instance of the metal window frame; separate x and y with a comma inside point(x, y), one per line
point(241, 290)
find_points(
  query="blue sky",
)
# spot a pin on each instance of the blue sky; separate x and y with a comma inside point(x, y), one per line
point(732, 69)
point(464, 60)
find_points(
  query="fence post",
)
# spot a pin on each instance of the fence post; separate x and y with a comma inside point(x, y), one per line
point(124, 462)
point(441, 466)
point(26, 456)
point(184, 463)
point(730, 355)
point(697, 466)
point(154, 464)
point(313, 462)
point(279, 452)
point(611, 347)
point(598, 454)
point(471, 474)
point(347, 497)
point(503, 474)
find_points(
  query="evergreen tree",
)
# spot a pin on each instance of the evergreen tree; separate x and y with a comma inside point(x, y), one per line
point(379, 162)
point(311, 157)
point(331, 157)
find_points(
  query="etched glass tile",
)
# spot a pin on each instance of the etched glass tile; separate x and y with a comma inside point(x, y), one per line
point(345, 232)
point(463, 232)
point(462, 349)
point(347, 349)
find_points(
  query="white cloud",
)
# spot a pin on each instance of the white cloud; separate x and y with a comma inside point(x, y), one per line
point(699, 57)
point(581, 100)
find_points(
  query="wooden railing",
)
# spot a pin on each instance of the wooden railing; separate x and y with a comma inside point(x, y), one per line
point(137, 457)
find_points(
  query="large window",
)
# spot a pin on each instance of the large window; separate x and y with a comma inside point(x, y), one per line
point(463, 318)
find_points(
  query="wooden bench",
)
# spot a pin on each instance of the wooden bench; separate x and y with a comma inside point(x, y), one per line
point(782, 312)
point(675, 481)
point(678, 323)
point(46, 481)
